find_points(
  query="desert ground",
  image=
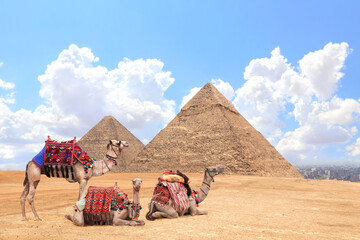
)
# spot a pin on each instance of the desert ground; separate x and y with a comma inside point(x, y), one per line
point(240, 207)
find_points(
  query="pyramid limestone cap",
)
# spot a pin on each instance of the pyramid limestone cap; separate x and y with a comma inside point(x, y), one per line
point(209, 96)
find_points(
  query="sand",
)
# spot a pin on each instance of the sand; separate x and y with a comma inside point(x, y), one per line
point(240, 207)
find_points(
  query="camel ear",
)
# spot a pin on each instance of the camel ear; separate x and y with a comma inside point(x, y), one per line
point(108, 146)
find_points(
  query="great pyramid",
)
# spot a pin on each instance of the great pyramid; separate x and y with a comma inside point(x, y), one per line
point(208, 131)
point(94, 141)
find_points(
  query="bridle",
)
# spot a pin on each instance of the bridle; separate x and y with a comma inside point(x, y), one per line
point(110, 158)
point(211, 171)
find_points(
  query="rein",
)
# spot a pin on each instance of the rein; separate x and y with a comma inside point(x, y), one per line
point(110, 158)
point(208, 172)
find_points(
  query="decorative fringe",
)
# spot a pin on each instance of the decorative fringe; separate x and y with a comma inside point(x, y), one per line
point(72, 172)
point(57, 171)
point(46, 170)
point(67, 171)
point(62, 171)
point(52, 171)
point(98, 218)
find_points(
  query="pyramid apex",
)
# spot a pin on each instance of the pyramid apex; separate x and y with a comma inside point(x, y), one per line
point(208, 96)
point(108, 117)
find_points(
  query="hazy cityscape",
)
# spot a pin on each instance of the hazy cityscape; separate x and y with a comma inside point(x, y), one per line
point(351, 174)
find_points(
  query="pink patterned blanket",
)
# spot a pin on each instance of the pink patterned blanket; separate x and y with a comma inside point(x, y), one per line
point(179, 196)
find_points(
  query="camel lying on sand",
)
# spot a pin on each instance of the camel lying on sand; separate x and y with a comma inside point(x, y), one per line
point(159, 210)
point(127, 214)
point(33, 173)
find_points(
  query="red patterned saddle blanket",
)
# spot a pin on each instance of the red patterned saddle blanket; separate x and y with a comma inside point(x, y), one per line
point(100, 200)
point(59, 157)
point(171, 186)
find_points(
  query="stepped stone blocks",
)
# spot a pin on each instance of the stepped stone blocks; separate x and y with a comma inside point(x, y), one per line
point(208, 131)
point(94, 141)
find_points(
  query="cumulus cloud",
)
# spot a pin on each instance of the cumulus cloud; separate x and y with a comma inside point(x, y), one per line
point(273, 86)
point(6, 85)
point(77, 93)
point(354, 149)
point(323, 67)
point(224, 87)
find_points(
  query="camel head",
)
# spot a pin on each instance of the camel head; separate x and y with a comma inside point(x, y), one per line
point(137, 183)
point(119, 144)
point(215, 170)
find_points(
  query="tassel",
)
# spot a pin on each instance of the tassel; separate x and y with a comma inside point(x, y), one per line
point(52, 171)
point(67, 171)
point(72, 172)
point(57, 171)
point(62, 171)
point(46, 170)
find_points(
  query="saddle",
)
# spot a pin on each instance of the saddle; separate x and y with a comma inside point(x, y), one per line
point(173, 185)
point(57, 158)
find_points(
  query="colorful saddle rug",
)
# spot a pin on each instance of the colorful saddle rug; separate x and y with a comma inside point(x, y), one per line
point(172, 177)
point(98, 205)
point(161, 194)
point(59, 157)
point(100, 200)
point(171, 186)
point(178, 193)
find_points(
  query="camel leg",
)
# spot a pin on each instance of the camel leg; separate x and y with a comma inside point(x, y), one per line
point(31, 199)
point(23, 200)
point(201, 212)
point(193, 209)
point(77, 218)
point(164, 211)
point(120, 218)
point(82, 188)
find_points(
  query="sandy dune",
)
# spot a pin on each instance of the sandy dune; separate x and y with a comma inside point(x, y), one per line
point(240, 207)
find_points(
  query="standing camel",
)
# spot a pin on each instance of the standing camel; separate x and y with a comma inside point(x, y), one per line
point(33, 173)
point(160, 210)
point(126, 214)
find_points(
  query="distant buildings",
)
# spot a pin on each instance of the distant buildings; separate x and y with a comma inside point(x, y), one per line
point(338, 173)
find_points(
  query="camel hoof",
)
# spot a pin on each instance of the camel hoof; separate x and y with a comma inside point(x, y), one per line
point(38, 219)
point(140, 222)
point(150, 217)
point(133, 223)
point(25, 219)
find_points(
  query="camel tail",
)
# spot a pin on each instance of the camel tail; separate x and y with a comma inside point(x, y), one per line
point(26, 177)
point(151, 210)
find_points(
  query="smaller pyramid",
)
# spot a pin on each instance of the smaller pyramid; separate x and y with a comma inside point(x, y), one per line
point(94, 141)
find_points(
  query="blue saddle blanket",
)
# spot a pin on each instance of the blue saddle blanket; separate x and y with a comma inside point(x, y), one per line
point(39, 158)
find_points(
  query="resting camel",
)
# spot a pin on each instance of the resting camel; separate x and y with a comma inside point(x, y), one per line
point(118, 216)
point(33, 173)
point(158, 210)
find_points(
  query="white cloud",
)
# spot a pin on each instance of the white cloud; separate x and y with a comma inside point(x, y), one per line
point(323, 67)
point(224, 87)
point(1, 64)
point(354, 149)
point(186, 98)
point(273, 86)
point(6, 85)
point(78, 94)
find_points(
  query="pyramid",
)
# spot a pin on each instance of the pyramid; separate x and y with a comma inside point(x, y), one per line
point(94, 141)
point(208, 131)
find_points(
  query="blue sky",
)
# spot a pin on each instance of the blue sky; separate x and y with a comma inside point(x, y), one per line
point(167, 50)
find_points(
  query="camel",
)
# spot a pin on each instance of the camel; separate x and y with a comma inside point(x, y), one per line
point(158, 210)
point(33, 173)
point(120, 216)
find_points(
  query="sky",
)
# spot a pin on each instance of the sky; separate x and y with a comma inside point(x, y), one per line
point(291, 68)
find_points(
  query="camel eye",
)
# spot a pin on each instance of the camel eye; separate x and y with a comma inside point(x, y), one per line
point(75, 210)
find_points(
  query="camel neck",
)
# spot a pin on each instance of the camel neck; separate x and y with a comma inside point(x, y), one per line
point(102, 167)
point(136, 196)
point(205, 187)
